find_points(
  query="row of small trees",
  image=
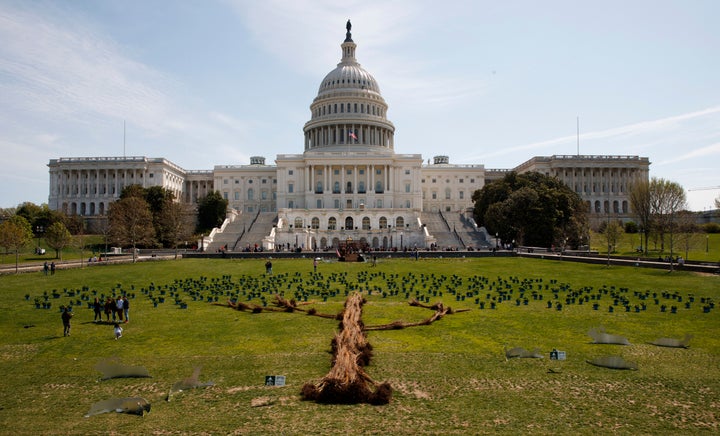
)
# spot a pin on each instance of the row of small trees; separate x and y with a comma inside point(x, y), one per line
point(142, 217)
point(538, 210)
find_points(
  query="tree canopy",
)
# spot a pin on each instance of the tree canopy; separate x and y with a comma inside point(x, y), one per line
point(532, 209)
point(211, 212)
point(57, 237)
point(15, 233)
point(131, 222)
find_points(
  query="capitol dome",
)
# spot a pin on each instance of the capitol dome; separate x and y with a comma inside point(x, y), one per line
point(349, 111)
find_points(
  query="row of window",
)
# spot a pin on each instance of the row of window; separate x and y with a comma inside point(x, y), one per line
point(369, 109)
point(249, 181)
point(448, 194)
point(434, 180)
point(349, 223)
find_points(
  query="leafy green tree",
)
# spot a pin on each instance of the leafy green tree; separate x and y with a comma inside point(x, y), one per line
point(211, 212)
point(532, 209)
point(57, 237)
point(130, 223)
point(132, 191)
point(613, 232)
point(666, 200)
point(15, 233)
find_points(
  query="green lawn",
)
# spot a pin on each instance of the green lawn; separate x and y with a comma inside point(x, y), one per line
point(450, 377)
point(702, 247)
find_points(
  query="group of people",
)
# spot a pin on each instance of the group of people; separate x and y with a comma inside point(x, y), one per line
point(118, 307)
point(49, 268)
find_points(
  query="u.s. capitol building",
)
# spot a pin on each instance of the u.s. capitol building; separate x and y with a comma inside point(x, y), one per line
point(348, 183)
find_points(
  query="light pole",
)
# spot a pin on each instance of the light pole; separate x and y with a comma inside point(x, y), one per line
point(401, 241)
point(707, 243)
point(497, 245)
point(202, 242)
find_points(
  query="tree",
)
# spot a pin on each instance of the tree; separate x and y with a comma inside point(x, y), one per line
point(15, 233)
point(211, 212)
point(666, 200)
point(175, 223)
point(131, 223)
point(532, 209)
point(687, 231)
point(640, 203)
point(613, 231)
point(57, 236)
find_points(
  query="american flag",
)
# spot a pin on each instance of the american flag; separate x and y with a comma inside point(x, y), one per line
point(352, 135)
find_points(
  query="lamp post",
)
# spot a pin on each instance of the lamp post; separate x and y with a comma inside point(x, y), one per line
point(401, 241)
point(707, 243)
point(497, 245)
point(202, 242)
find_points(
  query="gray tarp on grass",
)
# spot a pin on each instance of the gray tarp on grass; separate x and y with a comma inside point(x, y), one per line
point(191, 382)
point(612, 362)
point(673, 343)
point(133, 406)
point(112, 368)
point(522, 353)
point(600, 337)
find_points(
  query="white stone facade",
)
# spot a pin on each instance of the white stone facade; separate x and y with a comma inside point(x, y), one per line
point(347, 183)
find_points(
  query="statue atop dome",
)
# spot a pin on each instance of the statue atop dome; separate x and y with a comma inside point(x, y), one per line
point(348, 35)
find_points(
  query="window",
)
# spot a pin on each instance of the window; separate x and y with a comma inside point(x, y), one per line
point(315, 223)
point(361, 187)
point(336, 172)
point(291, 188)
point(263, 195)
point(318, 204)
point(298, 223)
point(336, 188)
point(400, 222)
point(291, 204)
point(225, 181)
point(379, 203)
point(332, 223)
point(251, 194)
point(237, 182)
point(264, 181)
point(447, 194)
point(407, 171)
point(472, 180)
point(237, 195)
point(434, 195)
point(378, 187)
point(461, 195)
point(348, 172)
point(225, 195)
point(434, 180)
point(461, 181)
point(366, 223)
point(290, 172)
point(378, 171)
point(407, 204)
point(407, 187)
point(336, 203)
point(319, 172)
point(319, 187)
point(361, 171)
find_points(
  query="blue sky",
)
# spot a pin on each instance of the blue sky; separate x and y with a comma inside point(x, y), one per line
point(206, 83)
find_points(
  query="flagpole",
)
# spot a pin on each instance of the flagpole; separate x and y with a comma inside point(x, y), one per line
point(123, 139)
point(578, 135)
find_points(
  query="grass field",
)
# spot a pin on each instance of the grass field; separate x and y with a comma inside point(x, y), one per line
point(450, 377)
